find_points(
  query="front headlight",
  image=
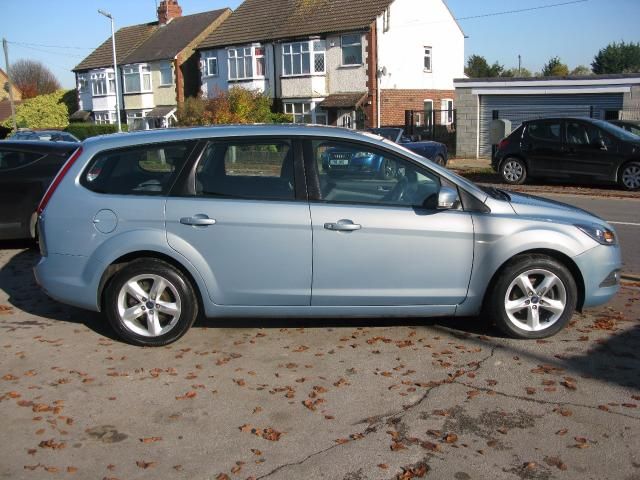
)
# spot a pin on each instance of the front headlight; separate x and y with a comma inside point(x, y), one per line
point(599, 233)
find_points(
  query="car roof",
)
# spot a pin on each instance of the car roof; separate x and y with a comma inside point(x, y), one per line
point(38, 146)
point(195, 133)
point(557, 119)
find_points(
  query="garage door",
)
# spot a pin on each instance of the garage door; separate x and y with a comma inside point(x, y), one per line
point(519, 108)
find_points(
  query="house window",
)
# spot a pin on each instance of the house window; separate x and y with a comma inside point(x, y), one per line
point(137, 78)
point(447, 112)
point(211, 66)
point(166, 74)
point(297, 58)
point(386, 19)
point(102, 118)
point(99, 84)
point(243, 62)
point(428, 113)
point(83, 83)
point(301, 112)
point(352, 49)
point(321, 117)
point(135, 121)
point(428, 59)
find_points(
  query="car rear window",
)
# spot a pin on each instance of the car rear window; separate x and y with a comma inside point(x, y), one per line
point(10, 159)
point(140, 170)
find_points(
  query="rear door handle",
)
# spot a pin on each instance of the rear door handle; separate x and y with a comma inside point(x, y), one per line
point(200, 220)
point(342, 226)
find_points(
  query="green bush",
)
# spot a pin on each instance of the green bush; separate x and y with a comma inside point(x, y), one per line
point(86, 130)
point(43, 111)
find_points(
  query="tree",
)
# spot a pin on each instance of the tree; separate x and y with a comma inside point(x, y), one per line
point(478, 67)
point(555, 68)
point(33, 78)
point(581, 71)
point(514, 72)
point(43, 111)
point(617, 58)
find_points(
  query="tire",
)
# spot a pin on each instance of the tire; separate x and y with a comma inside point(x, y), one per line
point(629, 178)
point(132, 287)
point(515, 311)
point(513, 171)
point(439, 160)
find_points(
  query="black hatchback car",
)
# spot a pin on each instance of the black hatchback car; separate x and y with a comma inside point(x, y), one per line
point(26, 170)
point(576, 148)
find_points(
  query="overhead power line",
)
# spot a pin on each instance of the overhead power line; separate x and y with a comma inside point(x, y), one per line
point(521, 10)
point(51, 46)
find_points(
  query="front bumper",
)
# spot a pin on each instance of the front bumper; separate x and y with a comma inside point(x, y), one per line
point(598, 266)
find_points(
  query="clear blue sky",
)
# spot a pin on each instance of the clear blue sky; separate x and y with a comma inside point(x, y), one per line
point(573, 32)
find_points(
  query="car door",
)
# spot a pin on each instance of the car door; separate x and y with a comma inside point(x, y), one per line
point(590, 150)
point(246, 224)
point(543, 148)
point(380, 241)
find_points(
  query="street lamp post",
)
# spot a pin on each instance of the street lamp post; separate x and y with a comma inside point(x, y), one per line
point(115, 67)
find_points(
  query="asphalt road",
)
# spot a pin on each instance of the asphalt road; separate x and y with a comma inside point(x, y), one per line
point(623, 214)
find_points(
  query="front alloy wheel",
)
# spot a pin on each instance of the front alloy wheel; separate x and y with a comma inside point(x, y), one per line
point(534, 296)
point(630, 176)
point(514, 171)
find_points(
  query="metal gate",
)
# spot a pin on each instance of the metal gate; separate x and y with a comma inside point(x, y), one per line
point(518, 108)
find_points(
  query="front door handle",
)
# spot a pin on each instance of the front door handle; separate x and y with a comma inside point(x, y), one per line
point(200, 220)
point(343, 226)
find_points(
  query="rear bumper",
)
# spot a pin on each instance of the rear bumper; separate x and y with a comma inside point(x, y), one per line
point(64, 278)
point(597, 266)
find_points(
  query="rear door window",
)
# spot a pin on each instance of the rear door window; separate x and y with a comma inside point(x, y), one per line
point(141, 170)
point(546, 131)
point(260, 169)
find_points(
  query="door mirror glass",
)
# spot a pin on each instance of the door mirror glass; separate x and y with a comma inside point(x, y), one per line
point(448, 199)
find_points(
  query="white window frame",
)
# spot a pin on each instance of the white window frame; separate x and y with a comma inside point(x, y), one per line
point(143, 71)
point(343, 45)
point(102, 83)
point(208, 63)
point(446, 116)
point(299, 116)
point(313, 49)
point(102, 118)
point(246, 56)
point(428, 56)
point(83, 83)
point(164, 68)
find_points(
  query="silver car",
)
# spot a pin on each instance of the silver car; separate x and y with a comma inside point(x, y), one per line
point(154, 228)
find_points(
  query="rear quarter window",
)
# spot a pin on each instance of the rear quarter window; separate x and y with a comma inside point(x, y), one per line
point(548, 131)
point(140, 170)
point(11, 159)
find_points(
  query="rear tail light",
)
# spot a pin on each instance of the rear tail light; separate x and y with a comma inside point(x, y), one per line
point(503, 144)
point(58, 178)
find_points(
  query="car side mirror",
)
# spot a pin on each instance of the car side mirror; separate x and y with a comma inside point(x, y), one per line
point(448, 198)
point(599, 144)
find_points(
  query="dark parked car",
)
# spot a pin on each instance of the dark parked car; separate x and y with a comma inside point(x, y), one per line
point(44, 135)
point(632, 126)
point(576, 148)
point(434, 151)
point(26, 170)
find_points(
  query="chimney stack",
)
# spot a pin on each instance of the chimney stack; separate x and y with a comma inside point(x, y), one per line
point(168, 10)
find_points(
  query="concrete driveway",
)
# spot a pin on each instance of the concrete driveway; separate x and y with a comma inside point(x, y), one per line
point(365, 399)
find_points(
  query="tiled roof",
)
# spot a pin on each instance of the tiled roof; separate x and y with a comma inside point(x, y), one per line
point(127, 40)
point(264, 20)
point(167, 41)
point(344, 100)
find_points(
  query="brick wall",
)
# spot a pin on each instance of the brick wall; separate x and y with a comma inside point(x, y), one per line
point(395, 102)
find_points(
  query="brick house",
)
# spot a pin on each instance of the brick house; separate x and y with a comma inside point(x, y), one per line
point(351, 63)
point(157, 64)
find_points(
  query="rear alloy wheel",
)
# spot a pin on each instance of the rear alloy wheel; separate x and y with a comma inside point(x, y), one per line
point(534, 297)
point(150, 303)
point(514, 171)
point(630, 176)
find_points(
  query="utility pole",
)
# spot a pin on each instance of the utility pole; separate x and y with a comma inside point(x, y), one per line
point(519, 65)
point(5, 46)
point(115, 67)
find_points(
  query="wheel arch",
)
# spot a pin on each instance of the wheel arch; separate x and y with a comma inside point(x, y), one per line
point(556, 255)
point(121, 262)
point(623, 164)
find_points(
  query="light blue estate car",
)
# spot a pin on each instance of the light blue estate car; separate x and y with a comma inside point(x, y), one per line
point(154, 227)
